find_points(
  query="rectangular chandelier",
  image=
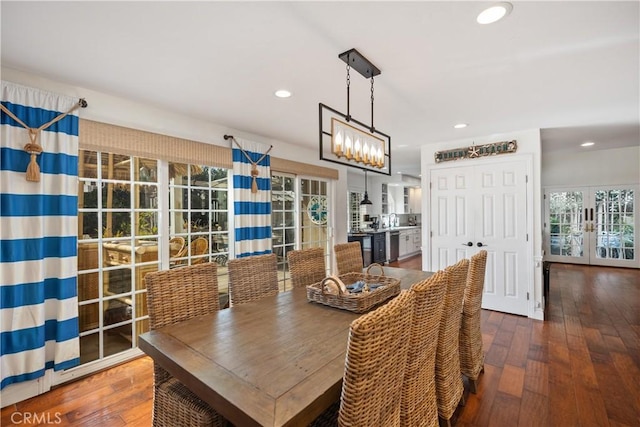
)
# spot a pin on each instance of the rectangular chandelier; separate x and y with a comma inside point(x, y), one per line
point(347, 141)
point(352, 143)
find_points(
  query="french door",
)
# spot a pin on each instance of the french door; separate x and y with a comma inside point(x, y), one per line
point(592, 225)
point(299, 218)
point(484, 207)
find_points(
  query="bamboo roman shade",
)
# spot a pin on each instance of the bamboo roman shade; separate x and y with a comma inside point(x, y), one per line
point(99, 136)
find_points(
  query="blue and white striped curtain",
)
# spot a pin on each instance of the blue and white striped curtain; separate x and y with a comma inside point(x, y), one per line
point(38, 238)
point(252, 210)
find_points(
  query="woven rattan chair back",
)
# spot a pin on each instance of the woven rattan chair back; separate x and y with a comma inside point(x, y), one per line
point(471, 352)
point(181, 294)
point(252, 278)
point(418, 404)
point(306, 266)
point(375, 363)
point(174, 296)
point(176, 247)
point(199, 246)
point(348, 257)
point(449, 386)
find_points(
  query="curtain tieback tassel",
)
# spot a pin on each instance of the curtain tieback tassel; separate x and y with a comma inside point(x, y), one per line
point(254, 183)
point(34, 149)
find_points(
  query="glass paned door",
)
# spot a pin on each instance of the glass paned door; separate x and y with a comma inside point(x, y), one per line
point(299, 218)
point(117, 247)
point(614, 225)
point(565, 224)
point(592, 225)
point(314, 215)
point(283, 223)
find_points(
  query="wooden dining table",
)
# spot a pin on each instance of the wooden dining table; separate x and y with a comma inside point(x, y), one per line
point(278, 361)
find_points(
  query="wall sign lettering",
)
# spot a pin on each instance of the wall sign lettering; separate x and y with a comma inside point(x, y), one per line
point(474, 151)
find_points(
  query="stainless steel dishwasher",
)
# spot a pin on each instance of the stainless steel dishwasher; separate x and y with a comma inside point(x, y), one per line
point(394, 248)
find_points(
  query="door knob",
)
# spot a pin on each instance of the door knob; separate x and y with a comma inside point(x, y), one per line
point(479, 244)
point(468, 244)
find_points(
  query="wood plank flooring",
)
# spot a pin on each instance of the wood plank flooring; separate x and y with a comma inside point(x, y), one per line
point(581, 367)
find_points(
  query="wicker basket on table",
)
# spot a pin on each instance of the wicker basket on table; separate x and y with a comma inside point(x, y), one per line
point(332, 290)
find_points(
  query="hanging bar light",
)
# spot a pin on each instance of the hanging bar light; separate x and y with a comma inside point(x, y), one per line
point(352, 142)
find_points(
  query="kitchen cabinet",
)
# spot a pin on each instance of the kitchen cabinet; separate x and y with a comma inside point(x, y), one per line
point(417, 240)
point(373, 246)
point(365, 246)
point(379, 250)
point(385, 199)
point(405, 198)
point(415, 200)
point(404, 249)
point(410, 242)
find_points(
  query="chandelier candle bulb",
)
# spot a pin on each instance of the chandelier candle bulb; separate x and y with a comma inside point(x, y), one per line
point(347, 146)
point(365, 152)
point(357, 148)
point(337, 148)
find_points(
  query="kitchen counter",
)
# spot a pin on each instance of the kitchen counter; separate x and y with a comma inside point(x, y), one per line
point(384, 230)
point(376, 244)
point(402, 227)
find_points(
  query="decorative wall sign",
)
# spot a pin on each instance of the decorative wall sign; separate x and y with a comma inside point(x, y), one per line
point(477, 151)
point(317, 209)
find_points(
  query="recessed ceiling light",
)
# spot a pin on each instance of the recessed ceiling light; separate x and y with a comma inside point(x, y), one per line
point(460, 125)
point(587, 144)
point(282, 93)
point(494, 13)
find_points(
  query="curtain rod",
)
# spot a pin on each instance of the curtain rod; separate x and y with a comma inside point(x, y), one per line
point(227, 137)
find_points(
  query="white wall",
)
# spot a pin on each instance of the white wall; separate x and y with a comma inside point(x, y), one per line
point(529, 146)
point(107, 108)
point(591, 167)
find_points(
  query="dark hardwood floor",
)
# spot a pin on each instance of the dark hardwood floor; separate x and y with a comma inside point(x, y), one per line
point(580, 367)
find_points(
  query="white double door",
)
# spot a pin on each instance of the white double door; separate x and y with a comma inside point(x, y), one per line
point(485, 207)
point(592, 225)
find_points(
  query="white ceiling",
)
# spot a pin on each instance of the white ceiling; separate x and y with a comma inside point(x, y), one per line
point(568, 68)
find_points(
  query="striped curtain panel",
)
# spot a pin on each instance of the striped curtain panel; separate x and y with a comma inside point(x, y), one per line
point(252, 211)
point(38, 238)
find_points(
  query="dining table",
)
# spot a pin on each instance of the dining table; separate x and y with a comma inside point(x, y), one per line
point(278, 361)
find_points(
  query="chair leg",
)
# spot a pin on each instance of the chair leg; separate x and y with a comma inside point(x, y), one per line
point(463, 401)
point(444, 423)
point(473, 386)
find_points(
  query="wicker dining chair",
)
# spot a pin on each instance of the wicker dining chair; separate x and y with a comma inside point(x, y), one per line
point(418, 403)
point(174, 296)
point(449, 385)
point(176, 247)
point(348, 257)
point(471, 353)
point(252, 278)
point(377, 351)
point(306, 266)
point(199, 247)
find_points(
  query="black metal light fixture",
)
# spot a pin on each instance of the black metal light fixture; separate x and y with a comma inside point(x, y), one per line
point(347, 141)
point(366, 200)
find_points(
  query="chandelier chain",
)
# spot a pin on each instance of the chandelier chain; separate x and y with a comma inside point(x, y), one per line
point(372, 128)
point(348, 97)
